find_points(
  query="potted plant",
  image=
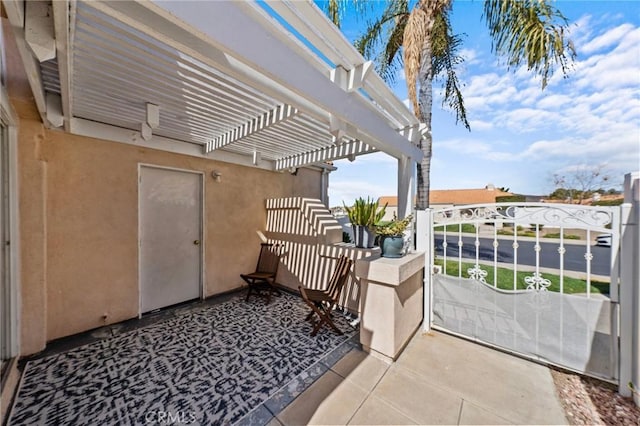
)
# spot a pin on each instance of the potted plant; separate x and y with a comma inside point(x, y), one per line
point(392, 236)
point(364, 215)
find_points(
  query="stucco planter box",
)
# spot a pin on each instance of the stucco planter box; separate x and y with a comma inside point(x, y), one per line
point(391, 302)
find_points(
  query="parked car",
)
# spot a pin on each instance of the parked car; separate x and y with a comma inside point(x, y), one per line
point(603, 240)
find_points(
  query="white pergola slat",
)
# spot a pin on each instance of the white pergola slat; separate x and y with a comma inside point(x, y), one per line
point(335, 152)
point(262, 122)
point(264, 96)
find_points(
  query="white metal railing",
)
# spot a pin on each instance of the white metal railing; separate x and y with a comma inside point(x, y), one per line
point(525, 310)
point(535, 216)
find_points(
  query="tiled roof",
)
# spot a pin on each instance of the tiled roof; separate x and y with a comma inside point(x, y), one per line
point(391, 200)
point(465, 196)
point(454, 196)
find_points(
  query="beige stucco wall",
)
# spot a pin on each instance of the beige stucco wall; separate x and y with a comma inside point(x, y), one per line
point(90, 196)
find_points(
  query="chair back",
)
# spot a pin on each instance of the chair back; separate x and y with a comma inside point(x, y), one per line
point(339, 278)
point(269, 258)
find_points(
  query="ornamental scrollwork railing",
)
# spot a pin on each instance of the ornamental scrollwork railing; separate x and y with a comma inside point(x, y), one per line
point(566, 215)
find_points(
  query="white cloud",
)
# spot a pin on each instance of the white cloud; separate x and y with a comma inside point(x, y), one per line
point(615, 69)
point(525, 120)
point(474, 148)
point(581, 30)
point(607, 39)
point(621, 153)
point(470, 56)
point(554, 101)
point(480, 125)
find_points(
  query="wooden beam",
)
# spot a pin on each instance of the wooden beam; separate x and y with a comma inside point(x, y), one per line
point(329, 153)
point(38, 29)
point(54, 112)
point(414, 133)
point(406, 187)
point(103, 131)
point(352, 79)
point(15, 12)
point(264, 121)
point(61, 11)
point(32, 70)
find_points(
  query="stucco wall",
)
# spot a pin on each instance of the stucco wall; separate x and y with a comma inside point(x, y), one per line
point(78, 201)
point(83, 254)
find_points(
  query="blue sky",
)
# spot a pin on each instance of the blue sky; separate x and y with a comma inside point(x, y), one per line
point(521, 135)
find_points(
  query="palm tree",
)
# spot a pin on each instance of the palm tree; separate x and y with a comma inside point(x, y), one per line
point(530, 32)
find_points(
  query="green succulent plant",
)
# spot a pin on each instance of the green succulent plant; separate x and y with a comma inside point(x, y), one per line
point(395, 227)
point(365, 212)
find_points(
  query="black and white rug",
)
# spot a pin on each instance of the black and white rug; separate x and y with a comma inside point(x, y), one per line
point(210, 365)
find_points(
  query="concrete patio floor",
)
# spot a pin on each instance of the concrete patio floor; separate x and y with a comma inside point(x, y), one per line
point(439, 379)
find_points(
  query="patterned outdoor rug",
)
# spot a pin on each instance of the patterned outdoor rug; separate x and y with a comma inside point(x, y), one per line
point(210, 365)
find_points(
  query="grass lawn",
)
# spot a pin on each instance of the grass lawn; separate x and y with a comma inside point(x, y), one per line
point(466, 227)
point(471, 229)
point(505, 279)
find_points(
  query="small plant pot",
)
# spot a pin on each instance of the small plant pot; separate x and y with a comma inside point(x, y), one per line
point(363, 237)
point(392, 246)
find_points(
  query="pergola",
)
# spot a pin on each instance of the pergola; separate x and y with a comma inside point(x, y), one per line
point(271, 84)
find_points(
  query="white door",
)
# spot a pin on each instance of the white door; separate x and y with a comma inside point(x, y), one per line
point(170, 221)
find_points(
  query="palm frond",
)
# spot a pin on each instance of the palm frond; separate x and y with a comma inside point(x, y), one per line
point(332, 9)
point(530, 32)
point(445, 59)
point(382, 39)
point(335, 9)
point(389, 61)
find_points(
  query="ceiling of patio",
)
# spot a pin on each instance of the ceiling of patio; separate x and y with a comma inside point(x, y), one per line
point(143, 65)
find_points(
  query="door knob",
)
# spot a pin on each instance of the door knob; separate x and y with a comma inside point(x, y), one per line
point(196, 242)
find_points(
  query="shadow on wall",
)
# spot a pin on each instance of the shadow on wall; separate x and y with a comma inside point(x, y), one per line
point(312, 241)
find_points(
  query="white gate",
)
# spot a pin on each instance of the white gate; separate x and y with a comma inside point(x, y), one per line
point(535, 279)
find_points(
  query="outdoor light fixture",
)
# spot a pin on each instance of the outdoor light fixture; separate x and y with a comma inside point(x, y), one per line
point(216, 175)
point(256, 157)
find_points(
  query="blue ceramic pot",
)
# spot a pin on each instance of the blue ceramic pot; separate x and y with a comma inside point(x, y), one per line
point(392, 246)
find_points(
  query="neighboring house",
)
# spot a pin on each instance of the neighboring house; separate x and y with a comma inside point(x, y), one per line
point(449, 198)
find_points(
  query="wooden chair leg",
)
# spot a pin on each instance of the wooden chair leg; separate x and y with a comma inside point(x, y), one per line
point(326, 319)
point(309, 316)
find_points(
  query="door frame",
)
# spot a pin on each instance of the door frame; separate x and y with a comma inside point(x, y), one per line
point(12, 297)
point(202, 227)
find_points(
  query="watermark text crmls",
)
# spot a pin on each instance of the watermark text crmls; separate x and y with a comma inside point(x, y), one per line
point(170, 417)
